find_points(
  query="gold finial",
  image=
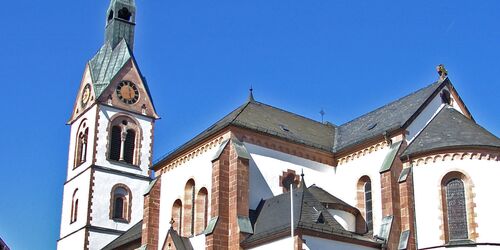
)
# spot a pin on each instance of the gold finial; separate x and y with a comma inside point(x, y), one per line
point(443, 73)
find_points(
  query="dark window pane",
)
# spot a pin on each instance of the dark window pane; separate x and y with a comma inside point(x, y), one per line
point(114, 151)
point(457, 212)
point(129, 147)
point(368, 205)
point(118, 208)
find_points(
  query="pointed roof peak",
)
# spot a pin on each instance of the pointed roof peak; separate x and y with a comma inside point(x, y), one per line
point(250, 95)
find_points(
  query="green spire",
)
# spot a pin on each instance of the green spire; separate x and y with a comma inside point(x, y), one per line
point(120, 22)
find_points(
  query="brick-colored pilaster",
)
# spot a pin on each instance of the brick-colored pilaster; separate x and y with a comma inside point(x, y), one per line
point(151, 217)
point(298, 242)
point(407, 210)
point(238, 196)
point(390, 201)
point(218, 240)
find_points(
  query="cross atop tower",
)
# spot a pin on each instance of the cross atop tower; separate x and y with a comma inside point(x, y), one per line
point(120, 22)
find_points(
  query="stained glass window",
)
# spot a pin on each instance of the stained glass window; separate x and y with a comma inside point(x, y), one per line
point(457, 211)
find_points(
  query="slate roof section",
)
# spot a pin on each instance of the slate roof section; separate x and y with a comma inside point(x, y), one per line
point(274, 216)
point(270, 120)
point(326, 198)
point(133, 234)
point(451, 129)
point(386, 118)
point(106, 64)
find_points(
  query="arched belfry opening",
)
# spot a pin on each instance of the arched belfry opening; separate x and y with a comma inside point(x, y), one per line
point(124, 14)
point(111, 15)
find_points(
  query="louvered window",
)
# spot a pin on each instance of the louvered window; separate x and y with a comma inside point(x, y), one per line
point(129, 149)
point(114, 152)
point(457, 211)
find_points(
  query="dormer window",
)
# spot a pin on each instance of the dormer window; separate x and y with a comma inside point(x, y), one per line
point(110, 16)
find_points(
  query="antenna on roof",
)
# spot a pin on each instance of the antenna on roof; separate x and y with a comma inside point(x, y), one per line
point(322, 113)
point(250, 96)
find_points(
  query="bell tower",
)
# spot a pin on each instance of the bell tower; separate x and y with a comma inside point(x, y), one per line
point(110, 148)
point(120, 22)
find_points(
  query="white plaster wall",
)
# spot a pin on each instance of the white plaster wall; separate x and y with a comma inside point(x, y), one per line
point(424, 117)
point(72, 242)
point(82, 183)
point(99, 240)
point(268, 165)
point(198, 241)
point(314, 243)
point(431, 110)
point(427, 180)
point(346, 220)
point(286, 243)
point(103, 184)
point(173, 182)
point(105, 114)
point(90, 116)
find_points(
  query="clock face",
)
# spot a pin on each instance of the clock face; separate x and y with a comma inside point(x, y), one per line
point(127, 92)
point(86, 94)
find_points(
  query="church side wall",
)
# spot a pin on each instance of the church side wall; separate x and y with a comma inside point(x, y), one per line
point(105, 115)
point(429, 214)
point(98, 240)
point(198, 168)
point(350, 172)
point(82, 183)
point(101, 200)
point(90, 117)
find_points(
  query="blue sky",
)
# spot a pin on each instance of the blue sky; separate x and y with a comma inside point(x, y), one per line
point(200, 58)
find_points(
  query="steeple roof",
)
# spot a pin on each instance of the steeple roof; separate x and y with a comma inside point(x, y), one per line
point(107, 63)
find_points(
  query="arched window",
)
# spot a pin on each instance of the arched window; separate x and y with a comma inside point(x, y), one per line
point(365, 200)
point(177, 215)
point(81, 144)
point(74, 206)
point(189, 198)
point(124, 140)
point(121, 203)
point(201, 207)
point(124, 14)
point(458, 214)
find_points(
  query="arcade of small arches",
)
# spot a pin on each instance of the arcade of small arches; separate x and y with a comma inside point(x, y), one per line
point(190, 214)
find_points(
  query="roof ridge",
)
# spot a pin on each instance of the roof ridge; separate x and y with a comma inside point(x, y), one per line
point(390, 103)
point(295, 114)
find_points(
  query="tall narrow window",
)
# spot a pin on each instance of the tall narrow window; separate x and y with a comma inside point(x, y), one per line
point(456, 210)
point(74, 207)
point(81, 144)
point(201, 207)
point(124, 140)
point(115, 141)
point(368, 205)
point(177, 215)
point(365, 200)
point(120, 203)
point(189, 196)
point(128, 155)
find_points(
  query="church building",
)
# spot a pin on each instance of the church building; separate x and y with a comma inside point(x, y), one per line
point(417, 173)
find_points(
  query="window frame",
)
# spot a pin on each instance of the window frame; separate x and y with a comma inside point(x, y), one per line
point(126, 201)
point(131, 124)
